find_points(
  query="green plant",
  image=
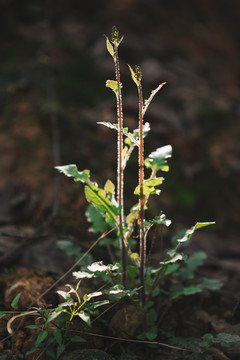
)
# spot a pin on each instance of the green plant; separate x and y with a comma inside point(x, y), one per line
point(106, 211)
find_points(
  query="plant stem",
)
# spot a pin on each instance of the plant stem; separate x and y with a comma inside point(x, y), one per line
point(120, 164)
point(141, 199)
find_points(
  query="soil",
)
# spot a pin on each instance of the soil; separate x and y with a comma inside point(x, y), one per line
point(53, 72)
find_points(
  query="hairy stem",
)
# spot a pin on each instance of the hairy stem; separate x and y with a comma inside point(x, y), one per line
point(120, 164)
point(141, 199)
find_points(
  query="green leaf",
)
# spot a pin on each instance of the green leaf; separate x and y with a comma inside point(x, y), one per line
point(190, 290)
point(94, 216)
point(57, 335)
point(110, 48)
point(14, 303)
point(157, 160)
point(85, 317)
point(149, 186)
point(68, 247)
point(153, 93)
point(207, 340)
point(112, 84)
point(188, 234)
point(132, 138)
point(82, 275)
point(34, 327)
point(60, 350)
point(160, 220)
point(109, 189)
point(211, 284)
point(192, 263)
point(132, 215)
point(100, 201)
point(72, 171)
point(227, 340)
point(41, 337)
point(54, 314)
point(77, 338)
point(134, 76)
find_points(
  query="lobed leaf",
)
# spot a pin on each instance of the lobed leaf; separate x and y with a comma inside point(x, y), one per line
point(72, 171)
point(157, 160)
point(160, 220)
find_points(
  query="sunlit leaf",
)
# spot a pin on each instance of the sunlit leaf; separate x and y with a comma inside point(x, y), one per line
point(157, 160)
point(99, 199)
point(134, 76)
point(153, 93)
point(160, 220)
point(72, 171)
point(85, 317)
point(112, 84)
point(82, 275)
point(188, 234)
point(110, 48)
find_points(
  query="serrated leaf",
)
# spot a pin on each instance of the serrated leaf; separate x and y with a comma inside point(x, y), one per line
point(157, 160)
point(72, 171)
point(134, 76)
point(153, 93)
point(110, 48)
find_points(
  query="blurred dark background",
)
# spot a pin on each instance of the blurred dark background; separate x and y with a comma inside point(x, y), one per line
point(53, 67)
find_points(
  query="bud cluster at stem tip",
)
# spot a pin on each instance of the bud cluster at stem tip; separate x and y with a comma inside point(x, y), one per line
point(138, 73)
point(115, 35)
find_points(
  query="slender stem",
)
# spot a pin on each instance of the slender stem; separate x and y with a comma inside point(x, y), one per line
point(141, 199)
point(120, 164)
